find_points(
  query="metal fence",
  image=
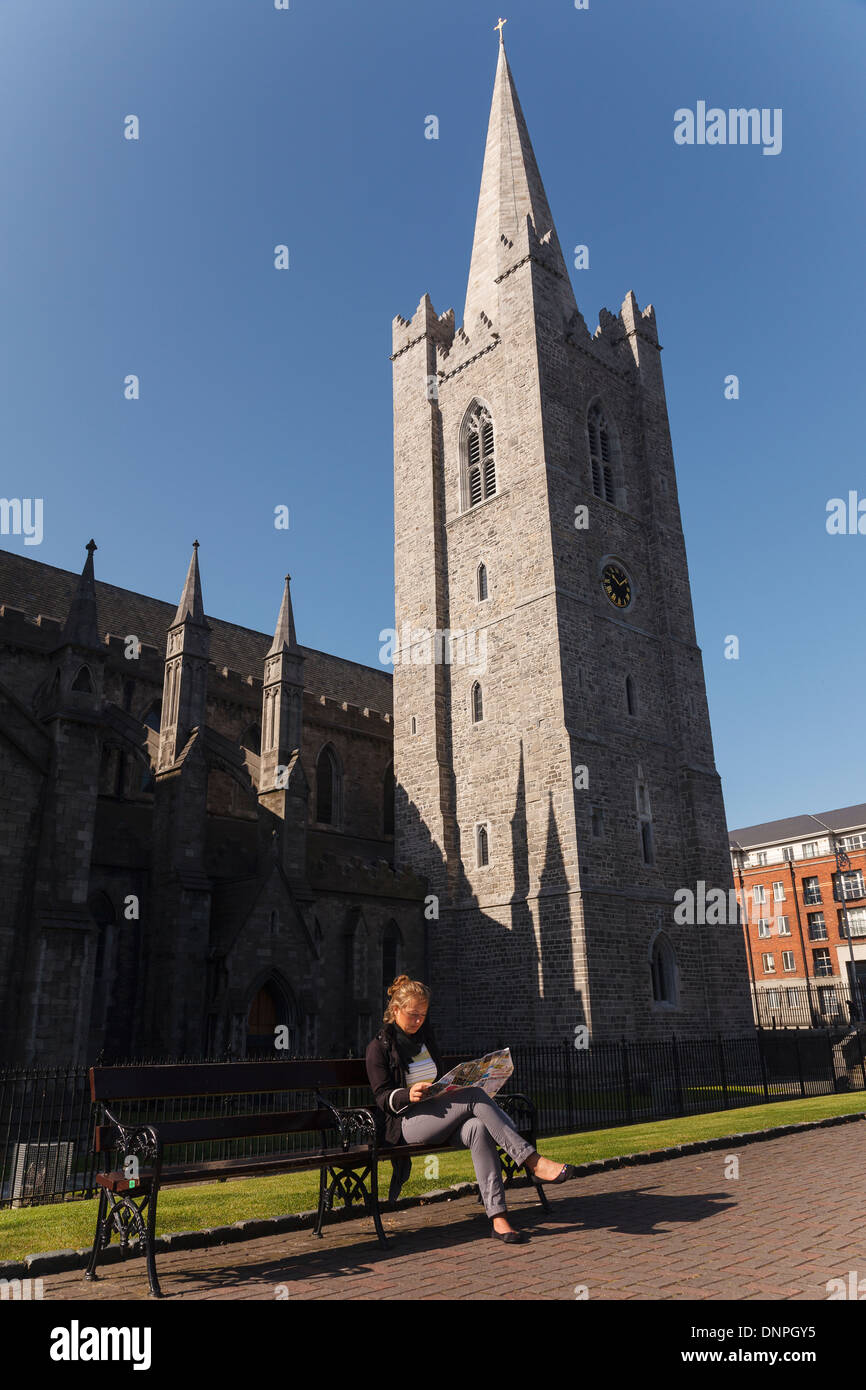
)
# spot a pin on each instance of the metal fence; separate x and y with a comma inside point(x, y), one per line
point(809, 1006)
point(46, 1118)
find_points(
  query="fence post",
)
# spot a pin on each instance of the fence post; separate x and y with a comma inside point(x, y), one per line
point(571, 1064)
point(626, 1076)
point(860, 1050)
point(722, 1070)
point(832, 1076)
point(799, 1063)
point(678, 1081)
point(763, 1068)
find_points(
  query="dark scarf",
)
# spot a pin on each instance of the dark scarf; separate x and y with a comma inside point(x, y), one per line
point(408, 1045)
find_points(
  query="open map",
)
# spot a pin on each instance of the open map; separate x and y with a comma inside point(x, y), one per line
point(489, 1072)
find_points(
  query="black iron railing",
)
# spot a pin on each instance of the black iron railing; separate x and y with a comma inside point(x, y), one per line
point(816, 1005)
point(46, 1118)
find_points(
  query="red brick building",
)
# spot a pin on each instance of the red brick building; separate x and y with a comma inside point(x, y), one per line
point(804, 916)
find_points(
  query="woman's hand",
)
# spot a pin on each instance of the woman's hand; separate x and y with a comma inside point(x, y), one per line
point(416, 1092)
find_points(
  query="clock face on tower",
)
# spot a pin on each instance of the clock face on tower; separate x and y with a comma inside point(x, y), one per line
point(616, 585)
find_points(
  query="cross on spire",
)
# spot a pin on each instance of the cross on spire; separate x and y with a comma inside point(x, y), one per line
point(500, 26)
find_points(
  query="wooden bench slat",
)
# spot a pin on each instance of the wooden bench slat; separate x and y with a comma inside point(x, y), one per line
point(173, 1174)
point(217, 1127)
point(230, 1078)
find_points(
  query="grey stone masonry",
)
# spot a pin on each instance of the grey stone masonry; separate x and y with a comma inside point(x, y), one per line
point(567, 740)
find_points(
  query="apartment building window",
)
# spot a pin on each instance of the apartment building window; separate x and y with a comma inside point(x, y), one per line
point(759, 894)
point(769, 964)
point(788, 961)
point(821, 962)
point(788, 853)
point(778, 892)
point(810, 850)
point(851, 886)
point(811, 891)
point(760, 858)
point(763, 926)
point(817, 926)
point(784, 927)
point(856, 921)
point(854, 842)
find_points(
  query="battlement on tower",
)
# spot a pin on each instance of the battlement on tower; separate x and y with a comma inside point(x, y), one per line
point(424, 323)
point(349, 715)
point(614, 328)
point(358, 875)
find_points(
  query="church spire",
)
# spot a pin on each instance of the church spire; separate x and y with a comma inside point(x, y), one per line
point(187, 653)
point(511, 191)
point(81, 628)
point(284, 636)
point(191, 605)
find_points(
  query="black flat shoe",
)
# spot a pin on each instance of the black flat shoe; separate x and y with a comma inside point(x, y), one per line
point(511, 1237)
point(568, 1171)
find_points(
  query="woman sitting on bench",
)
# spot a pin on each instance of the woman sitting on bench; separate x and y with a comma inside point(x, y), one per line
point(403, 1060)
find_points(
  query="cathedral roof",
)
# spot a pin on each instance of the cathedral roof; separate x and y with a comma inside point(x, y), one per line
point(37, 588)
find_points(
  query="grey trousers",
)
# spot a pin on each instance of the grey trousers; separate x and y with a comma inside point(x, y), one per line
point(479, 1125)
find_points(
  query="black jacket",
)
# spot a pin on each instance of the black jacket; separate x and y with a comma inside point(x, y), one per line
point(388, 1078)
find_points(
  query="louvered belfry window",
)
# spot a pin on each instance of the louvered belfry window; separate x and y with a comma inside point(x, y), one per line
point(600, 454)
point(480, 480)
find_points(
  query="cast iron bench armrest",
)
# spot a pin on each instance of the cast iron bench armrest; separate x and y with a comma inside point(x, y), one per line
point(140, 1141)
point(355, 1123)
point(522, 1101)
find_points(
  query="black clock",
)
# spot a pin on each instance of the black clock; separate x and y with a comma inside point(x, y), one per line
point(616, 585)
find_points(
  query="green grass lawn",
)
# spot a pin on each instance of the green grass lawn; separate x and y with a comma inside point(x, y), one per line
point(69, 1225)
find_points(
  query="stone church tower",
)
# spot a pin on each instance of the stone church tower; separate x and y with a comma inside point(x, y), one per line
point(553, 755)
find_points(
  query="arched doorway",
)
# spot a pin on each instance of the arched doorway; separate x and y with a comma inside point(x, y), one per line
point(270, 1009)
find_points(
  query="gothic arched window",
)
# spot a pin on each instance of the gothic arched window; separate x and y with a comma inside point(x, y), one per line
point(663, 971)
point(477, 704)
point(645, 823)
point(482, 843)
point(83, 681)
point(603, 451)
point(630, 701)
point(478, 470)
point(482, 582)
point(327, 787)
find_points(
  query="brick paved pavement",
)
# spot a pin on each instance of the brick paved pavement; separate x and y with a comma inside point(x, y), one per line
point(674, 1230)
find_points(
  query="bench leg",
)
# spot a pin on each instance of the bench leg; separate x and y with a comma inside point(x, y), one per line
point(509, 1168)
point(373, 1203)
point(98, 1237)
point(154, 1291)
point(320, 1214)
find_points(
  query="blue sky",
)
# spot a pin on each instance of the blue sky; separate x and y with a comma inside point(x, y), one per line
point(261, 388)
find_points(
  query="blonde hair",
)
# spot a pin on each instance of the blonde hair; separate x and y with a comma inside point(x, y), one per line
point(400, 992)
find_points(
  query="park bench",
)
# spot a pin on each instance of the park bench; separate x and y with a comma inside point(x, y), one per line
point(346, 1149)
